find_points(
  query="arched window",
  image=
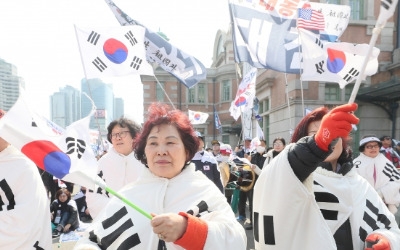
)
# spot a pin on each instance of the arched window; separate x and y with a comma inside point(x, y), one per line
point(220, 48)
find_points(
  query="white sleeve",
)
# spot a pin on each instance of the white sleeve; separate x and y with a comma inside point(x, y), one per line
point(25, 217)
point(257, 170)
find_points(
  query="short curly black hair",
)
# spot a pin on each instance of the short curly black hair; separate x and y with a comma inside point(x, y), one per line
point(123, 122)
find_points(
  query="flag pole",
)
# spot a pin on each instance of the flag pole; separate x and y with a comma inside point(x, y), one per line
point(126, 201)
point(164, 91)
point(97, 180)
point(386, 11)
point(375, 33)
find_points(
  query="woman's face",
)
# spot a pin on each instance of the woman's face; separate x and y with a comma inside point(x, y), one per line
point(122, 140)
point(337, 148)
point(278, 145)
point(63, 197)
point(165, 151)
point(371, 149)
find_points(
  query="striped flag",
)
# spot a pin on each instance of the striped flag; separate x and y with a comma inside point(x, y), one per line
point(310, 19)
point(196, 117)
point(114, 51)
point(187, 69)
point(64, 153)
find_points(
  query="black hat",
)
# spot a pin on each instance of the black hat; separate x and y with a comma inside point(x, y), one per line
point(384, 136)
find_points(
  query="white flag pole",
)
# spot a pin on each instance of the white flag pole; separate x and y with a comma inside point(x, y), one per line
point(375, 33)
point(386, 11)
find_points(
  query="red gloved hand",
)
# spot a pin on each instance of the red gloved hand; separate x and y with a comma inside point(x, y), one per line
point(377, 242)
point(337, 123)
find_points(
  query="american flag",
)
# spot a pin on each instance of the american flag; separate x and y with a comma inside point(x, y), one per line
point(310, 19)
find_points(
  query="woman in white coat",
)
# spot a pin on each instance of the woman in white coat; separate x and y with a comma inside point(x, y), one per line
point(378, 171)
point(188, 211)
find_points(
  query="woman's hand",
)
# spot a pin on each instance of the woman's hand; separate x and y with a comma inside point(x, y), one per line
point(66, 228)
point(169, 227)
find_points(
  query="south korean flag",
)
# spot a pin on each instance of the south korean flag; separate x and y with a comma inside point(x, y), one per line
point(115, 51)
point(334, 62)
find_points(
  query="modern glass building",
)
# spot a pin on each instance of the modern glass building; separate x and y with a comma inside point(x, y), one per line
point(10, 84)
point(103, 97)
point(119, 110)
point(65, 106)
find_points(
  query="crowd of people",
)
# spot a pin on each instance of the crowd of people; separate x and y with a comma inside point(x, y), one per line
point(197, 198)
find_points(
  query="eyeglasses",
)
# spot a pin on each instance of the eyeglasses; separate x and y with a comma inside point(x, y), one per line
point(278, 144)
point(121, 134)
point(372, 146)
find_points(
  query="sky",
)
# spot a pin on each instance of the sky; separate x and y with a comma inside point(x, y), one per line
point(38, 37)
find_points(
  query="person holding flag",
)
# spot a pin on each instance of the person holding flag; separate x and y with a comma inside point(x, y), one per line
point(312, 188)
point(187, 209)
point(24, 206)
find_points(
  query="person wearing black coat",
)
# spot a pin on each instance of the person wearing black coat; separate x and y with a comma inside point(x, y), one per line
point(64, 214)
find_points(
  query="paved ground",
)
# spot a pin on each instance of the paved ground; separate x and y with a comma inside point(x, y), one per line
point(249, 234)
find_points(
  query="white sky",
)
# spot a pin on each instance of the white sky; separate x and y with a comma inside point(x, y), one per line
point(38, 37)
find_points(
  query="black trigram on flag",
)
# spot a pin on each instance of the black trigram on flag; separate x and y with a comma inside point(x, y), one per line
point(351, 74)
point(136, 62)
point(268, 225)
point(374, 220)
point(9, 195)
point(37, 247)
point(114, 233)
point(131, 38)
point(386, 4)
point(327, 197)
point(391, 172)
point(319, 67)
point(75, 146)
point(99, 64)
point(93, 38)
point(319, 43)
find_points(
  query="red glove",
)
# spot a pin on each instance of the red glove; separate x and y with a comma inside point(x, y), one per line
point(337, 123)
point(377, 242)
